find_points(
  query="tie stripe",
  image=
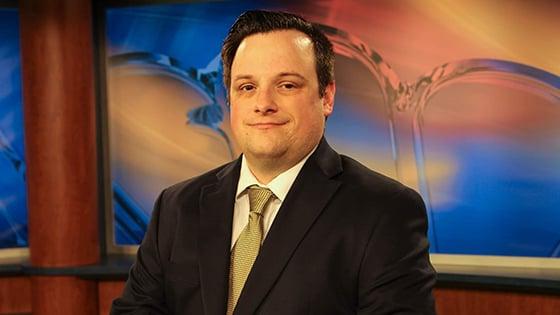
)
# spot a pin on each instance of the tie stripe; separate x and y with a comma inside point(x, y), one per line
point(247, 247)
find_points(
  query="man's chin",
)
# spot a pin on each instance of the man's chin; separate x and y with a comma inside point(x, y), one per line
point(267, 154)
point(266, 151)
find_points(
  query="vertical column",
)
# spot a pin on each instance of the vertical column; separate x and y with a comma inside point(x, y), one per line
point(60, 139)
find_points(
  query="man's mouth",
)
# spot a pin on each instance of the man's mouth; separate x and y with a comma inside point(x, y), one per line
point(266, 124)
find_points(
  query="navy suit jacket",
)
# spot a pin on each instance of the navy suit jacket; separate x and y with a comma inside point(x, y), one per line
point(346, 240)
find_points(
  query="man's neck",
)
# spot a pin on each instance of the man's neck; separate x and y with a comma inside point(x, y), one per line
point(265, 170)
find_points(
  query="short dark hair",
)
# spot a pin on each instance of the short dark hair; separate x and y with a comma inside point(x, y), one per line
point(258, 21)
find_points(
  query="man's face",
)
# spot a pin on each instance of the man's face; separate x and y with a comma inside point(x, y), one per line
point(276, 111)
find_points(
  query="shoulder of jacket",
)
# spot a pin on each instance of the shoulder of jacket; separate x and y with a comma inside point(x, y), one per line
point(359, 176)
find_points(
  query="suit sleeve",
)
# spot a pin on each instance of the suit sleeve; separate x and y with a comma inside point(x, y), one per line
point(143, 292)
point(396, 276)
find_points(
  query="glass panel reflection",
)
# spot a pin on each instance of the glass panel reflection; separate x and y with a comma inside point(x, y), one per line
point(492, 126)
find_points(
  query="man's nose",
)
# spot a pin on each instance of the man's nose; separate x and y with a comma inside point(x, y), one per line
point(266, 101)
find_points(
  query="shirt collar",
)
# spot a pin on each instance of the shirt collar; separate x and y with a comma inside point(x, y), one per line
point(279, 186)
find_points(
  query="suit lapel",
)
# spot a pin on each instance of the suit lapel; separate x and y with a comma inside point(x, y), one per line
point(310, 193)
point(216, 213)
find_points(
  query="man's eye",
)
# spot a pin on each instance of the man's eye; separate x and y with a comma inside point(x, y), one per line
point(246, 88)
point(288, 86)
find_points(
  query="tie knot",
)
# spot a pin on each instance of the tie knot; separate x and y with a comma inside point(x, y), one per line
point(258, 198)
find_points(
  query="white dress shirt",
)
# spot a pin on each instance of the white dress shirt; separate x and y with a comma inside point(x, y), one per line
point(279, 186)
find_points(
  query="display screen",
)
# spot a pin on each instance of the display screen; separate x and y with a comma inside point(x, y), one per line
point(452, 99)
point(13, 202)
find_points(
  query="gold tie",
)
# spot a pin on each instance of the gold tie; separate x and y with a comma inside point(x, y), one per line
point(247, 247)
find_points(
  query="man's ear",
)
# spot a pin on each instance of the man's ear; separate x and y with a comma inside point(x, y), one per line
point(328, 99)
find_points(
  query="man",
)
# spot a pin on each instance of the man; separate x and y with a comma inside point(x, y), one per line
point(291, 227)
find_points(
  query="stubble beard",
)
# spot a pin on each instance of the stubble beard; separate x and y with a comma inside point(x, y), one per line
point(275, 156)
point(267, 153)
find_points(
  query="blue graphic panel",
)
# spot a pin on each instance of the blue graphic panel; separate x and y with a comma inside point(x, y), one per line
point(13, 207)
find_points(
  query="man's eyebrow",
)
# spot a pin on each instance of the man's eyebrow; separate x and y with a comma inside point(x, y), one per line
point(280, 75)
point(242, 77)
point(289, 74)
